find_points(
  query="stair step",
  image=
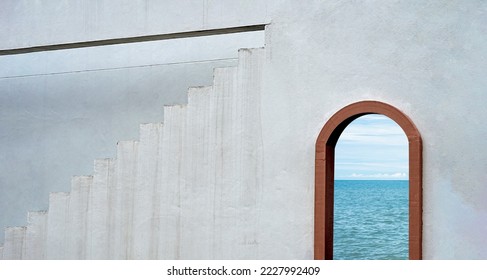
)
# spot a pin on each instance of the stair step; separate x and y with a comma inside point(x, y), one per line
point(36, 236)
point(171, 181)
point(226, 138)
point(57, 225)
point(122, 197)
point(249, 151)
point(98, 211)
point(196, 195)
point(189, 189)
point(78, 217)
point(14, 243)
point(146, 198)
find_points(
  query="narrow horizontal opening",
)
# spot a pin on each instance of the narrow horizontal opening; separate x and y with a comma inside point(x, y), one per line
point(137, 39)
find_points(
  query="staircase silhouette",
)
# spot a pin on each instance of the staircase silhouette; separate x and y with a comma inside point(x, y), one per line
point(188, 189)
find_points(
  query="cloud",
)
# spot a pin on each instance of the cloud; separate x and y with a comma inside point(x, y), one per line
point(381, 164)
point(373, 130)
point(374, 117)
point(372, 147)
point(371, 139)
point(397, 175)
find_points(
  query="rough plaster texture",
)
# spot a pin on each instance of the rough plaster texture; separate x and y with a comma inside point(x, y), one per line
point(202, 204)
point(59, 22)
point(14, 243)
point(427, 59)
point(236, 172)
point(60, 110)
point(57, 225)
point(35, 236)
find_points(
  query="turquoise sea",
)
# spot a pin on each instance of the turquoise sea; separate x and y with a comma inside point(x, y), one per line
point(371, 220)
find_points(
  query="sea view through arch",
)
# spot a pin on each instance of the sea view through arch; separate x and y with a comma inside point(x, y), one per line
point(371, 219)
point(371, 196)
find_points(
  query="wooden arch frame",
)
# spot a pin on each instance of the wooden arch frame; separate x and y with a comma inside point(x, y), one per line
point(325, 169)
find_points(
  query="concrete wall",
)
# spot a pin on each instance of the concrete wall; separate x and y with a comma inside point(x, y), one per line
point(35, 23)
point(425, 58)
point(60, 110)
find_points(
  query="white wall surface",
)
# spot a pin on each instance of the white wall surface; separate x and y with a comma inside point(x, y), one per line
point(425, 58)
point(61, 110)
point(28, 23)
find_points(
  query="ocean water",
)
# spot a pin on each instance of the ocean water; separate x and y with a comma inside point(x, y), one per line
point(371, 220)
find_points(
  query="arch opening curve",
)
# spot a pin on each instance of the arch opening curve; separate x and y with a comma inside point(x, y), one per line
point(325, 177)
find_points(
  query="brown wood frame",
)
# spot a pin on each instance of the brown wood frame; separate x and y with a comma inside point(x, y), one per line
point(325, 168)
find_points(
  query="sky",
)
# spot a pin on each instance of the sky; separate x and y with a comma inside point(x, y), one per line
point(372, 147)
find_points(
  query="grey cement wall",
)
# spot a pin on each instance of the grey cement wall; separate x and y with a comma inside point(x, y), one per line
point(425, 58)
point(60, 110)
point(26, 23)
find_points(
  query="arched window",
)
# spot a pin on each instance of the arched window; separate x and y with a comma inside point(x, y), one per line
point(324, 175)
